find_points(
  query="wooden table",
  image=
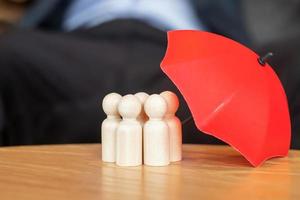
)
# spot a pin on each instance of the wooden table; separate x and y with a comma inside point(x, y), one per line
point(207, 172)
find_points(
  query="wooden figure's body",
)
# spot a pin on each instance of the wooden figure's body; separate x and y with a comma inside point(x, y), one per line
point(156, 145)
point(109, 126)
point(129, 143)
point(175, 132)
point(156, 134)
point(108, 138)
point(129, 133)
point(174, 124)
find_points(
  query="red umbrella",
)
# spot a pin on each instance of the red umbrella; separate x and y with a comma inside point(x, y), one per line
point(231, 92)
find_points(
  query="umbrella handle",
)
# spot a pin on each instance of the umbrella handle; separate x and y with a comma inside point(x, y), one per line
point(263, 59)
point(187, 120)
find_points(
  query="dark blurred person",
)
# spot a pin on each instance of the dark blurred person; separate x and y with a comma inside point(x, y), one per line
point(66, 55)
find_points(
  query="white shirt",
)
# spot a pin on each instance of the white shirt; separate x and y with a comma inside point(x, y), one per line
point(162, 14)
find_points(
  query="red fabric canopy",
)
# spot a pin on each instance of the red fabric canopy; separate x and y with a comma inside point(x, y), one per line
point(230, 94)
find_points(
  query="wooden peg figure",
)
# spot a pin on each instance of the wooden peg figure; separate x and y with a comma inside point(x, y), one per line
point(174, 124)
point(156, 134)
point(129, 132)
point(109, 126)
point(142, 96)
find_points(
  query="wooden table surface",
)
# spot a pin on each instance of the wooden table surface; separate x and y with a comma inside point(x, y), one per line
point(206, 172)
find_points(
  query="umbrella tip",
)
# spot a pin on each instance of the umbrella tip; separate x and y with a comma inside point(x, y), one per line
point(263, 59)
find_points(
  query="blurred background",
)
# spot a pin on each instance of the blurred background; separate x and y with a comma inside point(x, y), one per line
point(58, 58)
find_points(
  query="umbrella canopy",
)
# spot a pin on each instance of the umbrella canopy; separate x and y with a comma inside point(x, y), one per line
point(230, 94)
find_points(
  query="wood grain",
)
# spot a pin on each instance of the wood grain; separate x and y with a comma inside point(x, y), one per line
point(207, 172)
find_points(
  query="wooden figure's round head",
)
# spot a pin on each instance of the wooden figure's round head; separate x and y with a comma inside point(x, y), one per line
point(130, 106)
point(142, 96)
point(172, 101)
point(155, 106)
point(110, 103)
